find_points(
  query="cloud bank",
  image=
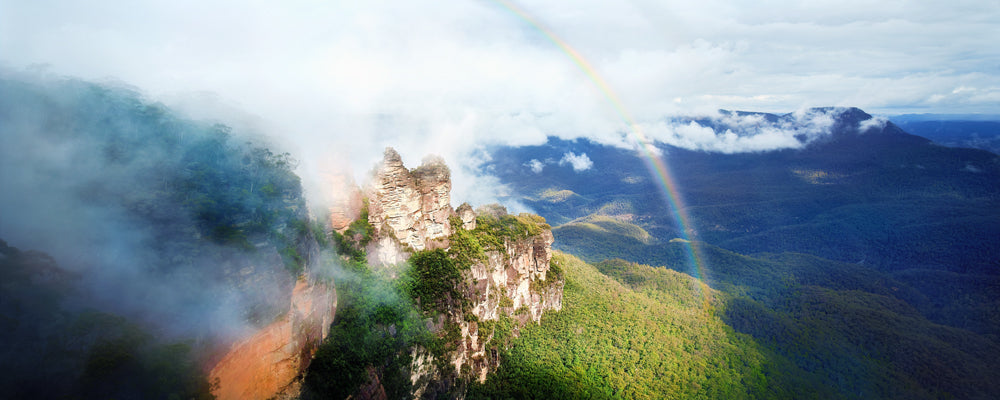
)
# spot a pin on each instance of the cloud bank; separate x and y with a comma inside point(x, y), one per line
point(733, 132)
point(454, 77)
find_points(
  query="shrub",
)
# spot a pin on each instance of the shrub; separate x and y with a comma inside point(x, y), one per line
point(465, 249)
point(435, 278)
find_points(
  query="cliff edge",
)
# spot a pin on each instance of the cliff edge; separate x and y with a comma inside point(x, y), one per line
point(503, 260)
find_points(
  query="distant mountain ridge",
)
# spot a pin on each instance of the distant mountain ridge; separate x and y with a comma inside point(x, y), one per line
point(974, 131)
point(845, 123)
point(863, 264)
point(878, 165)
point(877, 197)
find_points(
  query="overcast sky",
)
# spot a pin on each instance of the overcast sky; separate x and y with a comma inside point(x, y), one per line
point(449, 76)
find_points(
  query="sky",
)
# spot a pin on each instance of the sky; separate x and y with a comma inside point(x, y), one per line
point(337, 81)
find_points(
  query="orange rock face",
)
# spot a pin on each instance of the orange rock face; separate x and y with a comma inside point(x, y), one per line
point(344, 199)
point(264, 365)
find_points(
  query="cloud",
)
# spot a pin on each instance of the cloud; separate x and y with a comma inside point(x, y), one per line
point(454, 78)
point(535, 165)
point(732, 132)
point(579, 162)
point(876, 122)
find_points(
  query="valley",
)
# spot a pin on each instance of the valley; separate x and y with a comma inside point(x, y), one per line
point(850, 262)
point(166, 257)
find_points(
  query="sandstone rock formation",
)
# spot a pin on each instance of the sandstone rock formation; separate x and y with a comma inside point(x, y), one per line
point(344, 199)
point(510, 274)
point(411, 211)
point(266, 364)
point(513, 283)
point(411, 206)
point(467, 216)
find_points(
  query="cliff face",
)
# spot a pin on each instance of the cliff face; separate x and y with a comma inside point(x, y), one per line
point(267, 364)
point(511, 282)
point(514, 283)
point(411, 206)
point(509, 288)
point(510, 274)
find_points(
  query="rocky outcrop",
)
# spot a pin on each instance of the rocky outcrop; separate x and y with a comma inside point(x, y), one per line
point(267, 364)
point(507, 286)
point(411, 206)
point(514, 283)
point(467, 216)
point(372, 390)
point(510, 274)
point(386, 251)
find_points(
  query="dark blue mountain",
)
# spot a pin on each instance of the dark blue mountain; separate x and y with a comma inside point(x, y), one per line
point(871, 195)
point(954, 131)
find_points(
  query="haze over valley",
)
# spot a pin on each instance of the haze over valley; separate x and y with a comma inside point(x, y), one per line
point(492, 199)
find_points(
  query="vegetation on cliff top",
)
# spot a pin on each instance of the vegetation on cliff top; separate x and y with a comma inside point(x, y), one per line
point(494, 226)
point(435, 279)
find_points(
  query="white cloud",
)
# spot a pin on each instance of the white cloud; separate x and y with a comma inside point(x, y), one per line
point(876, 122)
point(694, 136)
point(535, 165)
point(730, 132)
point(452, 77)
point(579, 162)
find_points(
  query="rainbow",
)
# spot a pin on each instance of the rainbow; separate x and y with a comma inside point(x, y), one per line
point(648, 152)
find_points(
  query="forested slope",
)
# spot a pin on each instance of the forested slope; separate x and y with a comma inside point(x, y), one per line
point(864, 262)
point(158, 238)
point(635, 331)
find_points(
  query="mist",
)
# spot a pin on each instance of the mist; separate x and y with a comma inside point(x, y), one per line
point(346, 80)
point(114, 179)
point(191, 231)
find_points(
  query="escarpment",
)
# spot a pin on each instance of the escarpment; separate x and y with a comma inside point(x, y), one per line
point(504, 264)
point(268, 363)
point(431, 298)
point(515, 282)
